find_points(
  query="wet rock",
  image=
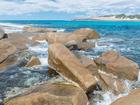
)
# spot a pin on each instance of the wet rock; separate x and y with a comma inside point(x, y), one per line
point(89, 33)
point(6, 49)
point(131, 99)
point(18, 59)
point(89, 64)
point(61, 37)
point(23, 58)
point(65, 37)
point(20, 40)
point(51, 94)
point(65, 63)
point(1, 33)
point(39, 30)
point(73, 45)
point(11, 60)
point(120, 66)
point(52, 72)
point(33, 62)
point(110, 82)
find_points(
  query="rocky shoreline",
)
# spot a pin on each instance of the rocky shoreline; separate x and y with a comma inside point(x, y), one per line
point(82, 75)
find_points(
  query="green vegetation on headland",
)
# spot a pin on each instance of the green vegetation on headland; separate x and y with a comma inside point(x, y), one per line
point(123, 16)
point(119, 17)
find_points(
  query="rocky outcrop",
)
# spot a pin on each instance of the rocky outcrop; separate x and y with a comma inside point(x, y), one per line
point(131, 99)
point(33, 62)
point(19, 40)
point(89, 33)
point(39, 37)
point(89, 64)
point(65, 63)
point(38, 30)
point(120, 66)
point(1, 33)
point(51, 94)
point(73, 45)
point(63, 37)
point(6, 49)
point(110, 82)
point(11, 60)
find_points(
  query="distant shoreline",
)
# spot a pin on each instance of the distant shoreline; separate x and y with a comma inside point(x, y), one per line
point(106, 20)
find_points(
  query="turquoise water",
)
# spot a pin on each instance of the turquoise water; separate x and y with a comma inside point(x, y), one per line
point(123, 37)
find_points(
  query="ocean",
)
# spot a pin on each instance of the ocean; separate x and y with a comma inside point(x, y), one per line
point(120, 36)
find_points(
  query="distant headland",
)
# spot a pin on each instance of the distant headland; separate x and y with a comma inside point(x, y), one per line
point(120, 17)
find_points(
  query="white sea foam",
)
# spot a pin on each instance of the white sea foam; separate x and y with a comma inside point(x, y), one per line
point(10, 27)
point(44, 61)
point(60, 30)
point(42, 52)
point(108, 98)
point(38, 49)
point(139, 76)
point(14, 92)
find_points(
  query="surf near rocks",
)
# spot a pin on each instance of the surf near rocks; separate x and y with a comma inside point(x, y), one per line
point(83, 73)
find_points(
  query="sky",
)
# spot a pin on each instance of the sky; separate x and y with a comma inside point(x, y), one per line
point(64, 9)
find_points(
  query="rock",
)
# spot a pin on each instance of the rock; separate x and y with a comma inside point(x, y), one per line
point(131, 99)
point(51, 94)
point(52, 72)
point(6, 49)
point(1, 33)
point(38, 30)
point(89, 33)
point(73, 45)
point(33, 62)
point(39, 37)
point(11, 60)
point(63, 37)
point(89, 64)
point(65, 63)
point(19, 40)
point(60, 37)
point(110, 82)
point(23, 58)
point(120, 66)
point(5, 36)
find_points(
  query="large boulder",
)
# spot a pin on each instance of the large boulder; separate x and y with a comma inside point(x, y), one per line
point(51, 94)
point(120, 66)
point(1, 33)
point(79, 45)
point(132, 99)
point(11, 60)
point(109, 82)
point(65, 63)
point(89, 64)
point(89, 33)
point(34, 61)
point(65, 37)
point(6, 49)
point(39, 30)
point(61, 37)
point(20, 40)
point(39, 37)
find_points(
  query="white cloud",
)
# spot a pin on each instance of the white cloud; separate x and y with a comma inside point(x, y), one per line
point(89, 7)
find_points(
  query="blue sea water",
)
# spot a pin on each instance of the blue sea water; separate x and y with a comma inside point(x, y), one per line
point(122, 36)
